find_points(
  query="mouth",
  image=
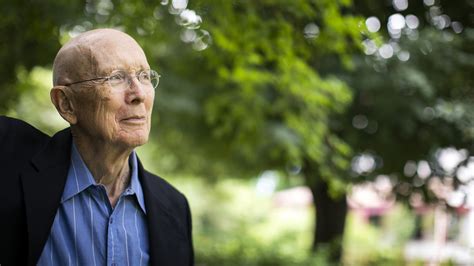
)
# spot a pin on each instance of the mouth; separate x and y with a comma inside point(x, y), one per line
point(134, 120)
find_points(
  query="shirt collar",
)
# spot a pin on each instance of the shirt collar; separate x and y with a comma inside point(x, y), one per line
point(80, 178)
point(135, 186)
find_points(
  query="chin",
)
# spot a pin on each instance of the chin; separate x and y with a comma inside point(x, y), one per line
point(134, 139)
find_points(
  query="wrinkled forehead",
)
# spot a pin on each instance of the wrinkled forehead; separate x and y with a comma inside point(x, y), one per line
point(97, 53)
point(117, 52)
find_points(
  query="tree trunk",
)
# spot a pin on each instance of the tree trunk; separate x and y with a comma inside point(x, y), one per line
point(330, 218)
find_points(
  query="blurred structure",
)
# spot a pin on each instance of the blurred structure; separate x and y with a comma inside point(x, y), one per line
point(442, 232)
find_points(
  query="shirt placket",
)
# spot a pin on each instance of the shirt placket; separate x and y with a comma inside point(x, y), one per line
point(114, 252)
point(111, 242)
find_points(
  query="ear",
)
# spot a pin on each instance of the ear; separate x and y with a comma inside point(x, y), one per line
point(62, 100)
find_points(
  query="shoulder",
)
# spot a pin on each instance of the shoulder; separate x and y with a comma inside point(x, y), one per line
point(158, 191)
point(159, 185)
point(8, 122)
point(12, 129)
point(19, 138)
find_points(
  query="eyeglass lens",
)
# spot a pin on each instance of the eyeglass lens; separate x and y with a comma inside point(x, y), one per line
point(122, 80)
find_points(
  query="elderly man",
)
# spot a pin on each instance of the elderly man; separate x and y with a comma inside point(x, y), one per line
point(82, 197)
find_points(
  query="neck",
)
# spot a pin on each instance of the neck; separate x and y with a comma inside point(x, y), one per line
point(108, 165)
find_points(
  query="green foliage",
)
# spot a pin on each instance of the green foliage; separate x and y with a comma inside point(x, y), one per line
point(35, 105)
point(259, 94)
point(29, 37)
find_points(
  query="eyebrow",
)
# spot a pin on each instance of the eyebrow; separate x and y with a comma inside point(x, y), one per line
point(112, 70)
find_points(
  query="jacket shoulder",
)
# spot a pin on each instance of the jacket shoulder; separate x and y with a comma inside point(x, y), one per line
point(18, 139)
point(158, 191)
point(163, 186)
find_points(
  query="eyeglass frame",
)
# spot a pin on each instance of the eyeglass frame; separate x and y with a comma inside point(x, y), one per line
point(106, 79)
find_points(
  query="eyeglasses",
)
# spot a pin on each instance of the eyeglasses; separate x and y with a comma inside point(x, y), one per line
point(121, 79)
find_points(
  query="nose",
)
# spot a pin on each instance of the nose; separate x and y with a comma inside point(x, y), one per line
point(136, 91)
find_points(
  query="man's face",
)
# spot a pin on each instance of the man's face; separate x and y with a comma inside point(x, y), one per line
point(109, 115)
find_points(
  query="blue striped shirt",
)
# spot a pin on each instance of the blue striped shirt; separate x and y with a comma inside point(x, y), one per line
point(88, 231)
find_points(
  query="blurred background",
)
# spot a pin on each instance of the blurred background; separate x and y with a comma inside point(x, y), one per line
point(303, 132)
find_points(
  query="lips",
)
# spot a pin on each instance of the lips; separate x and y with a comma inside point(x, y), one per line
point(136, 119)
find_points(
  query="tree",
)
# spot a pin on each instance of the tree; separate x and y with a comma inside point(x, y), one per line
point(264, 104)
point(29, 36)
point(415, 99)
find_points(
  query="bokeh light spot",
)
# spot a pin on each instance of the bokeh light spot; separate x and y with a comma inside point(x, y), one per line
point(386, 51)
point(400, 5)
point(373, 24)
point(412, 21)
point(360, 121)
point(410, 168)
point(179, 4)
point(403, 56)
point(369, 47)
point(311, 31)
point(396, 21)
point(428, 2)
point(457, 27)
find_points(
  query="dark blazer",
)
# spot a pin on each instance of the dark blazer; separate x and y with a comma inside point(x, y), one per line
point(33, 181)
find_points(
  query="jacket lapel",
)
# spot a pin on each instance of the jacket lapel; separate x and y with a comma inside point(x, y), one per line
point(43, 184)
point(165, 229)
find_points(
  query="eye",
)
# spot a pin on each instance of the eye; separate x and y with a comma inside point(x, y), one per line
point(117, 78)
point(144, 76)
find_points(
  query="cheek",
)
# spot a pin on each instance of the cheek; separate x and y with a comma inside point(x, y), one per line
point(108, 114)
point(150, 99)
point(104, 117)
point(87, 109)
point(149, 107)
point(101, 114)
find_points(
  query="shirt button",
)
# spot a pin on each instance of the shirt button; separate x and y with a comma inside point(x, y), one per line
point(111, 222)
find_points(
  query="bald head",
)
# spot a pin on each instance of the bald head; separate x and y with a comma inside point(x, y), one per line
point(94, 54)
